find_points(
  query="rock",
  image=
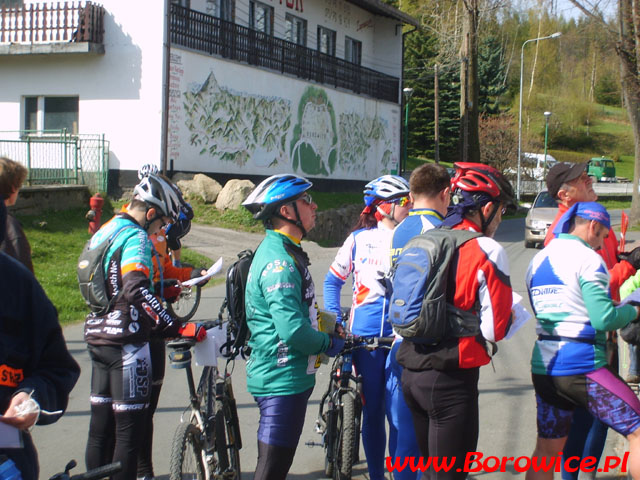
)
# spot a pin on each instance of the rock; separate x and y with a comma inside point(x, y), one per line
point(333, 226)
point(181, 176)
point(233, 194)
point(201, 186)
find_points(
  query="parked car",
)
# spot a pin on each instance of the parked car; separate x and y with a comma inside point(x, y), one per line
point(539, 219)
point(602, 169)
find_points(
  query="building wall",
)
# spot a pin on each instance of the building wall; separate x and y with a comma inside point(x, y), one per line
point(231, 118)
point(381, 41)
point(120, 92)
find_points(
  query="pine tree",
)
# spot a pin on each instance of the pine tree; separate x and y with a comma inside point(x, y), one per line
point(491, 70)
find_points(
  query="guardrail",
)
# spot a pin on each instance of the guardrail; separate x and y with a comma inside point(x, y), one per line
point(610, 189)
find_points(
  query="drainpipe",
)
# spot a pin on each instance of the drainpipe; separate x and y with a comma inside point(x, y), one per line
point(166, 66)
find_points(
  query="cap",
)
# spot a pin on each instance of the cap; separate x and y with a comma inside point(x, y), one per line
point(587, 210)
point(563, 172)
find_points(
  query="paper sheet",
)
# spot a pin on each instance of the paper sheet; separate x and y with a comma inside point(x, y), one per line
point(520, 316)
point(214, 269)
point(10, 436)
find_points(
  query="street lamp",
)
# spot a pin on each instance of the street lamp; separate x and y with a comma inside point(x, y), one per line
point(546, 135)
point(555, 35)
point(407, 91)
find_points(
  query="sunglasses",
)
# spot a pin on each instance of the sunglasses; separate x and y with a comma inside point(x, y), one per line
point(402, 201)
point(306, 198)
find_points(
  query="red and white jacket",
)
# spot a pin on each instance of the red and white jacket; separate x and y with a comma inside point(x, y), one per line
point(478, 282)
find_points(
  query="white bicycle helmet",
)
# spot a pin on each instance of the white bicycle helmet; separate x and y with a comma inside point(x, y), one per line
point(147, 169)
point(386, 187)
point(159, 192)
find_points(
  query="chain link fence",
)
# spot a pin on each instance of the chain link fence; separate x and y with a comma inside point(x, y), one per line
point(57, 157)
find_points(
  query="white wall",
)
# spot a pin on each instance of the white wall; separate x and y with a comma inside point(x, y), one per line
point(120, 92)
point(231, 118)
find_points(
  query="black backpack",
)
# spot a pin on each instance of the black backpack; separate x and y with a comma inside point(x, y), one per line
point(236, 284)
point(418, 310)
point(91, 279)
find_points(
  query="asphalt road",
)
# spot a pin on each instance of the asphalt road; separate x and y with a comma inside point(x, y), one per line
point(507, 405)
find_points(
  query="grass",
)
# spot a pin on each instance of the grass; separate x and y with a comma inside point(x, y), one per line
point(56, 239)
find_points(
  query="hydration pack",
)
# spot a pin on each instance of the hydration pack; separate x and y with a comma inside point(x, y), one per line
point(91, 279)
point(236, 283)
point(418, 310)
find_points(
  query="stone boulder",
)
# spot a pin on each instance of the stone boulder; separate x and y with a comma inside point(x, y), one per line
point(233, 194)
point(333, 226)
point(201, 186)
point(181, 176)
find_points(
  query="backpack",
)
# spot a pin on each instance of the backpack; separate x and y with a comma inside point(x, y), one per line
point(91, 279)
point(418, 310)
point(236, 283)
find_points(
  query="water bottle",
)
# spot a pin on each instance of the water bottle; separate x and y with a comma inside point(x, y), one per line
point(8, 469)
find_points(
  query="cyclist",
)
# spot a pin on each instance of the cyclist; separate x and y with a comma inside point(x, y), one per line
point(34, 361)
point(430, 187)
point(365, 254)
point(568, 287)
point(570, 184)
point(118, 340)
point(440, 382)
point(282, 317)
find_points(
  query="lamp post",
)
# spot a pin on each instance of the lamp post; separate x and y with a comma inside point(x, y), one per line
point(407, 91)
point(546, 136)
point(555, 35)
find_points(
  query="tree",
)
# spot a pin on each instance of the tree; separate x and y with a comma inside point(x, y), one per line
point(498, 141)
point(491, 72)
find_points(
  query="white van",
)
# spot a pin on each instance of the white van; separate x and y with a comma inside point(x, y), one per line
point(532, 165)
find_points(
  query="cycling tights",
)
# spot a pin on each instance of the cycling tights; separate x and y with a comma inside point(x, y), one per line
point(120, 390)
point(444, 405)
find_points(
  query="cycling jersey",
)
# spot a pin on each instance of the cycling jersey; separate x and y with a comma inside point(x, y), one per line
point(619, 270)
point(128, 274)
point(568, 287)
point(282, 315)
point(167, 269)
point(417, 222)
point(365, 253)
point(480, 283)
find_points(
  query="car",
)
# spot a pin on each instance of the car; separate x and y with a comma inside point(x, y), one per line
point(602, 169)
point(539, 219)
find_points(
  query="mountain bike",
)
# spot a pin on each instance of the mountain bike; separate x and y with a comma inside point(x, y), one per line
point(104, 471)
point(207, 443)
point(340, 412)
point(185, 306)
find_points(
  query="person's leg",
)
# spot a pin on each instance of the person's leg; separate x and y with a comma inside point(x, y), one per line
point(546, 448)
point(370, 365)
point(101, 424)
point(131, 390)
point(158, 360)
point(414, 398)
point(633, 375)
point(281, 422)
point(400, 419)
point(576, 441)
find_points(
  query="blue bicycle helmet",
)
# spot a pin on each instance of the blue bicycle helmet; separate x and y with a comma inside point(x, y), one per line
point(385, 188)
point(272, 193)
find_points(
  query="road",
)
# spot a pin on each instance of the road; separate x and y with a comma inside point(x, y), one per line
point(507, 404)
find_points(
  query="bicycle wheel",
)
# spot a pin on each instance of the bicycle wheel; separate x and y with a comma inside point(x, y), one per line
point(186, 454)
point(226, 437)
point(186, 305)
point(346, 453)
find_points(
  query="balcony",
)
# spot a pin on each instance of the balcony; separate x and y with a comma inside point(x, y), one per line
point(204, 33)
point(55, 28)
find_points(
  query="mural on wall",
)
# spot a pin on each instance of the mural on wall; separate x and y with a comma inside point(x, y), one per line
point(236, 126)
point(313, 147)
point(361, 138)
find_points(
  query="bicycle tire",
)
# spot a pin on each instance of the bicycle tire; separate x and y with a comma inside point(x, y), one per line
point(346, 453)
point(184, 308)
point(226, 436)
point(186, 454)
point(329, 438)
point(98, 473)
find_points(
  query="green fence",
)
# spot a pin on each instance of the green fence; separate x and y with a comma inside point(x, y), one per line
point(57, 157)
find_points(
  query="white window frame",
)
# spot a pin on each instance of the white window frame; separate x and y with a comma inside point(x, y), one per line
point(349, 50)
point(300, 24)
point(253, 4)
point(330, 34)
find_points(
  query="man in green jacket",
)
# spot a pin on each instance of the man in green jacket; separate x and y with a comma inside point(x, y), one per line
point(282, 315)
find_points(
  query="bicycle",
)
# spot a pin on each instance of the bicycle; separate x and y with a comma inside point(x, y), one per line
point(185, 306)
point(104, 471)
point(340, 411)
point(207, 444)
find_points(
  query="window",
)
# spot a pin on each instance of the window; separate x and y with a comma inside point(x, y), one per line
point(326, 41)
point(222, 9)
point(352, 50)
point(51, 113)
point(182, 3)
point(296, 29)
point(261, 17)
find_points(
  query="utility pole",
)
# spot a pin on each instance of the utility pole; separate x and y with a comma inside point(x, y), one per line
point(437, 114)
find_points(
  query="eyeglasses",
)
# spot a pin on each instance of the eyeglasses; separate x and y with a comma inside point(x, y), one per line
point(402, 201)
point(306, 198)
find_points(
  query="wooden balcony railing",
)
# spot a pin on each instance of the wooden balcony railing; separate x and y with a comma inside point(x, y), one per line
point(61, 22)
point(202, 32)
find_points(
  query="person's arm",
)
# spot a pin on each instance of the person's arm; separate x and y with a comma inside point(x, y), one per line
point(603, 315)
point(337, 275)
point(629, 285)
point(282, 290)
point(495, 293)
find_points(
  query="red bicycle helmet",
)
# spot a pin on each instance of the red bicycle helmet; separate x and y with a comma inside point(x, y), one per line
point(480, 178)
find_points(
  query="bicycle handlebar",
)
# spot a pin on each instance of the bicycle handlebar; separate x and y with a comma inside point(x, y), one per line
point(93, 474)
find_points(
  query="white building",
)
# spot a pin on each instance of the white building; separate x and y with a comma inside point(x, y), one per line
point(246, 87)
